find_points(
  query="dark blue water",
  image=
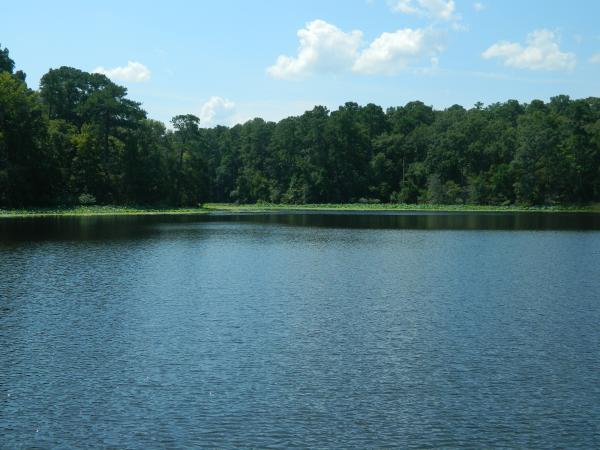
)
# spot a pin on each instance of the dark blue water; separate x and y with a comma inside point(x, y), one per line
point(300, 331)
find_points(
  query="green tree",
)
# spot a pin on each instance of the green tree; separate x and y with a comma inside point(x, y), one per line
point(189, 170)
point(25, 169)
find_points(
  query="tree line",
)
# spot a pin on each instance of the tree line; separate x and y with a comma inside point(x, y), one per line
point(80, 140)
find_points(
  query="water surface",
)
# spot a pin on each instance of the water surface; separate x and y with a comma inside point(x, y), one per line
point(294, 330)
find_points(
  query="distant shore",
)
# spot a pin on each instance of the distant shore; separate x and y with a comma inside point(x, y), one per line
point(209, 208)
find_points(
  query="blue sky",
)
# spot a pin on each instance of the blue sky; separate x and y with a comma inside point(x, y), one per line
point(228, 61)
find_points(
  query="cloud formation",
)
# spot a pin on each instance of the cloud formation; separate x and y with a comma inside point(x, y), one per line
point(216, 110)
point(595, 59)
point(436, 9)
point(134, 72)
point(478, 6)
point(541, 52)
point(324, 48)
point(392, 52)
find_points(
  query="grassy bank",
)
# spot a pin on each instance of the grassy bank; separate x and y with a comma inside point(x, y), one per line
point(97, 211)
point(395, 207)
point(268, 207)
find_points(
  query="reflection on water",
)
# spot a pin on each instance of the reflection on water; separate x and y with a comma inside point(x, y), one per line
point(307, 330)
point(130, 227)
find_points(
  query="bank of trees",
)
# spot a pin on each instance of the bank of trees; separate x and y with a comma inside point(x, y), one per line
point(79, 139)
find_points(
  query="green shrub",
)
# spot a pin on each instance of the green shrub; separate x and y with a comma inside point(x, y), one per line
point(86, 199)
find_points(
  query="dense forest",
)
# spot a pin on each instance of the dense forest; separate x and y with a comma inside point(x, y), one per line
point(80, 140)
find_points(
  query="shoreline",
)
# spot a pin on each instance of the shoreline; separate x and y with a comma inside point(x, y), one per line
point(210, 208)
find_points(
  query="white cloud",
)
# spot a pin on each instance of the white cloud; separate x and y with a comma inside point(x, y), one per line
point(595, 59)
point(392, 52)
point(541, 52)
point(437, 9)
point(134, 72)
point(216, 111)
point(323, 48)
point(478, 6)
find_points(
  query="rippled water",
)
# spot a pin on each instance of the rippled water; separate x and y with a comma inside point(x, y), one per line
point(300, 330)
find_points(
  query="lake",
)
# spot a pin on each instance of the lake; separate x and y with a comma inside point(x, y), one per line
point(341, 330)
